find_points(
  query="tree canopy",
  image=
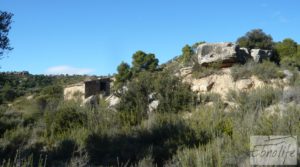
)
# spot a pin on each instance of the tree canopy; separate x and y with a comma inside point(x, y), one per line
point(124, 73)
point(142, 61)
point(256, 39)
point(288, 47)
point(187, 54)
point(5, 22)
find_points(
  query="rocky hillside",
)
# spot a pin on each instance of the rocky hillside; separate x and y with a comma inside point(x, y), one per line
point(200, 109)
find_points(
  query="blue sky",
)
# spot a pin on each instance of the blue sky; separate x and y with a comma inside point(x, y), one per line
point(94, 36)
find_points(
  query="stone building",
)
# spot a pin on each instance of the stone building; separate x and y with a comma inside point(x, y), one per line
point(86, 89)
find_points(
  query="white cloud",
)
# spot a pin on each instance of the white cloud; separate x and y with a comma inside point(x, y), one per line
point(64, 69)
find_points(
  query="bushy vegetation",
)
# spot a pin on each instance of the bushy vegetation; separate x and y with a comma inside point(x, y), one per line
point(256, 39)
point(14, 85)
point(289, 53)
point(182, 130)
point(264, 71)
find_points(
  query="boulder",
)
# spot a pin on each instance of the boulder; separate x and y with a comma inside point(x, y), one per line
point(225, 53)
point(259, 54)
point(112, 100)
point(153, 106)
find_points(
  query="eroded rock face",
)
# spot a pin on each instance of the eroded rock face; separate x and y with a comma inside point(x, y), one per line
point(225, 53)
point(244, 84)
point(259, 54)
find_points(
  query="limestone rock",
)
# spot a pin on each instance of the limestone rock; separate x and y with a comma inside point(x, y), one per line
point(244, 84)
point(153, 106)
point(112, 100)
point(203, 85)
point(259, 54)
point(217, 52)
point(185, 71)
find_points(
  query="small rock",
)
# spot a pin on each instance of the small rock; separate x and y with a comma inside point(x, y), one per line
point(153, 106)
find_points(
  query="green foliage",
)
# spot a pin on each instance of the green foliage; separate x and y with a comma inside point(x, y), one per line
point(124, 74)
point(255, 100)
point(187, 54)
point(182, 131)
point(50, 97)
point(5, 22)
point(142, 61)
point(242, 71)
point(172, 94)
point(293, 61)
point(256, 39)
point(135, 99)
point(286, 48)
point(289, 53)
point(18, 84)
point(265, 71)
point(64, 119)
point(8, 94)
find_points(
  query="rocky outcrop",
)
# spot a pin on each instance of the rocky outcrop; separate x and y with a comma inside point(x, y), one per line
point(225, 53)
point(185, 71)
point(258, 55)
point(222, 83)
point(229, 53)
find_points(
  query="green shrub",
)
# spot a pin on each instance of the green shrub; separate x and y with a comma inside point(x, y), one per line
point(255, 100)
point(240, 71)
point(173, 95)
point(65, 119)
point(209, 97)
point(256, 39)
point(291, 62)
point(267, 70)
